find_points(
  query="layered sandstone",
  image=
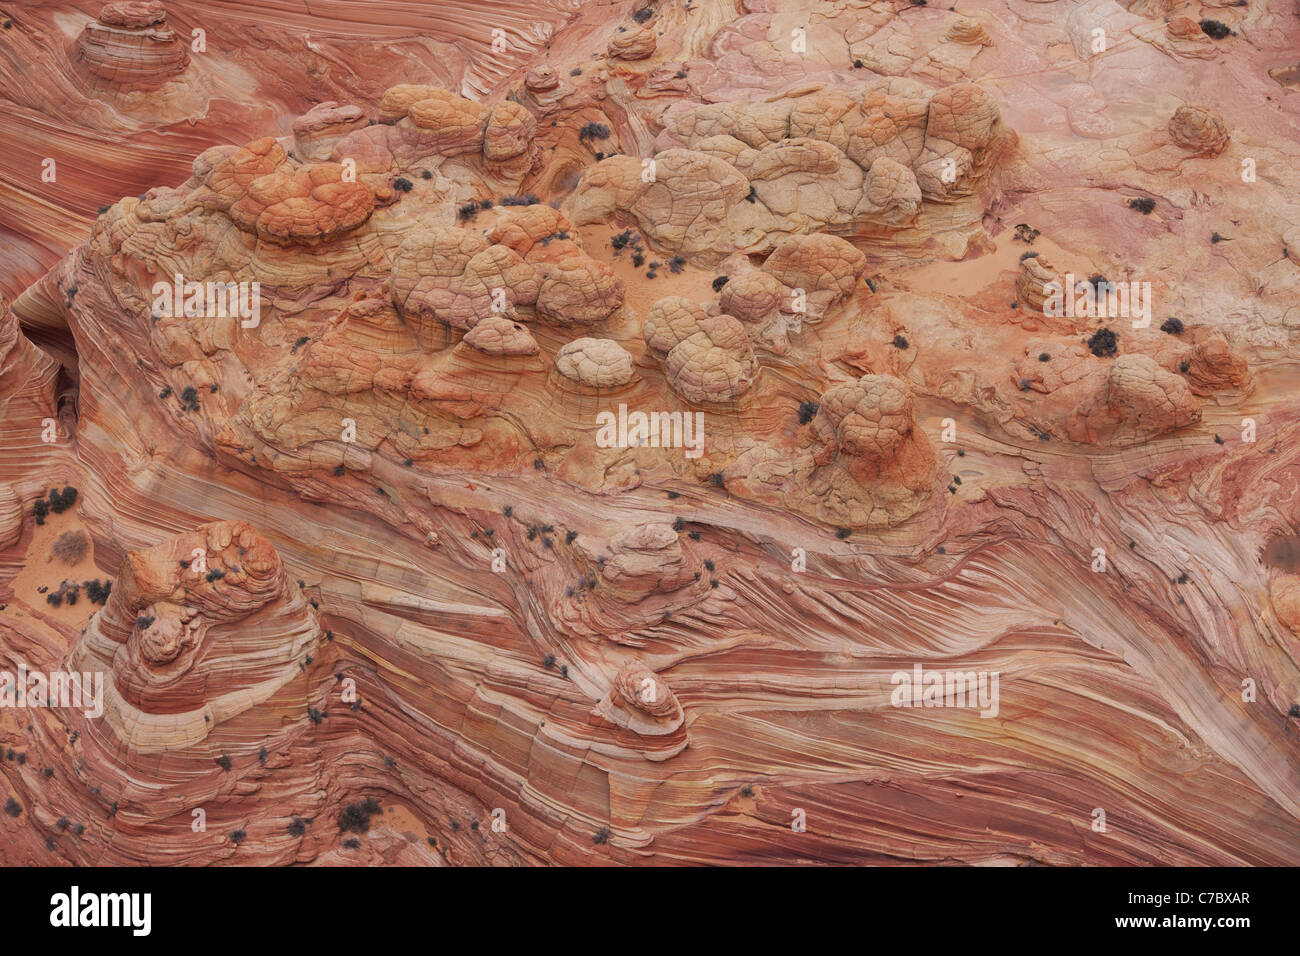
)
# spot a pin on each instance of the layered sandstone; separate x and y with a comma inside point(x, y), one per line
point(622, 410)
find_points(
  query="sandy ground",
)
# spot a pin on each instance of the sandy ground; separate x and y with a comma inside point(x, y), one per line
point(42, 569)
point(693, 283)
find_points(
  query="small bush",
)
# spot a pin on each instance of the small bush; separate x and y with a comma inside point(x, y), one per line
point(1172, 326)
point(70, 547)
point(900, 342)
point(297, 827)
point(355, 817)
point(1025, 233)
point(404, 184)
point(593, 131)
point(98, 593)
point(1215, 30)
point(224, 762)
point(1145, 205)
point(601, 836)
point(807, 410)
point(1103, 343)
point(719, 282)
point(237, 836)
point(61, 501)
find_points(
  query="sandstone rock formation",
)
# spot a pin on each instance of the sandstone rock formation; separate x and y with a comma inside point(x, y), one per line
point(593, 429)
point(130, 47)
point(1199, 130)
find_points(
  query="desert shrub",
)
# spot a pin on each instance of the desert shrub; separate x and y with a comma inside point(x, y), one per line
point(355, 817)
point(1103, 343)
point(98, 593)
point(593, 131)
point(61, 501)
point(1172, 326)
point(1144, 205)
point(70, 547)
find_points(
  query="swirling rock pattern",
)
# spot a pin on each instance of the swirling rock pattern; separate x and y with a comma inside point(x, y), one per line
point(623, 410)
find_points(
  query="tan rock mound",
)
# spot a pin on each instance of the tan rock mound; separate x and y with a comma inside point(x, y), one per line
point(579, 290)
point(891, 195)
point(826, 267)
point(1036, 274)
point(1199, 129)
point(541, 79)
point(509, 131)
point(635, 44)
point(754, 296)
point(641, 701)
point(447, 275)
point(963, 124)
point(595, 363)
point(968, 30)
point(316, 132)
point(862, 464)
point(646, 559)
point(1284, 591)
point(196, 630)
point(671, 320)
point(714, 364)
point(1215, 366)
point(230, 172)
point(130, 47)
point(499, 335)
point(452, 124)
point(1147, 400)
point(305, 206)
